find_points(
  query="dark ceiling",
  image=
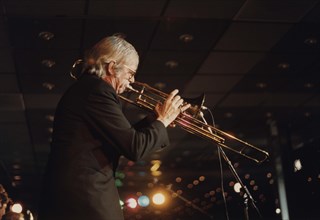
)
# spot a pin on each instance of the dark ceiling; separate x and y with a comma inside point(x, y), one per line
point(256, 60)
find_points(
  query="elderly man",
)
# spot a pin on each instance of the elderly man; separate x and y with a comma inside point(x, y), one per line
point(91, 133)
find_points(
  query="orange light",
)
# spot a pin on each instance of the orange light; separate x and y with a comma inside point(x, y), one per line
point(158, 199)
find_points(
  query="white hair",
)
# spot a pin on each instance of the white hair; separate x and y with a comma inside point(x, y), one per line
point(109, 49)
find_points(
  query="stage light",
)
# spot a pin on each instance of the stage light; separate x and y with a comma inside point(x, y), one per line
point(17, 208)
point(297, 165)
point(158, 199)
point(143, 201)
point(237, 187)
point(132, 203)
point(278, 211)
point(121, 203)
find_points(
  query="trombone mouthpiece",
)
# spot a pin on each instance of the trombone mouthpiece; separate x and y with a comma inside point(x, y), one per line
point(131, 89)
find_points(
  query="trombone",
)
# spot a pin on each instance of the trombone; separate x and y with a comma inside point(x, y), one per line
point(147, 97)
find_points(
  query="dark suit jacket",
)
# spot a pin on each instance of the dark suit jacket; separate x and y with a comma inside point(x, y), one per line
point(90, 134)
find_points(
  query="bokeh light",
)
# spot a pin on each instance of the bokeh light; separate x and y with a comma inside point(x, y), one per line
point(158, 199)
point(132, 203)
point(143, 201)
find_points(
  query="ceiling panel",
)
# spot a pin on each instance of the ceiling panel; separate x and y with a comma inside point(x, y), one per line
point(11, 115)
point(187, 34)
point(8, 83)
point(53, 84)
point(96, 29)
point(313, 15)
point(11, 102)
point(117, 8)
point(45, 33)
point(211, 84)
point(302, 37)
point(286, 64)
point(243, 99)
point(285, 100)
point(4, 39)
point(40, 124)
point(44, 8)
point(6, 64)
point(41, 101)
point(252, 36)
point(235, 63)
point(278, 83)
point(155, 63)
point(314, 101)
point(273, 10)
point(45, 62)
point(9, 141)
point(203, 8)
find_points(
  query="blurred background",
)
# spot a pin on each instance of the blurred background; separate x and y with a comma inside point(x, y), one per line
point(257, 61)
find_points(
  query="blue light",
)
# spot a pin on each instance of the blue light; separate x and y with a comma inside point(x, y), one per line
point(143, 201)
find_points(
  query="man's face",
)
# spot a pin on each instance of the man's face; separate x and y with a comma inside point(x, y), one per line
point(125, 76)
point(122, 74)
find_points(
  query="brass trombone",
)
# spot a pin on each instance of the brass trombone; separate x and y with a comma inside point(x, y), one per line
point(146, 97)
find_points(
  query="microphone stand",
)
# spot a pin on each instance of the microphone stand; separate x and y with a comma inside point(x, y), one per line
point(247, 195)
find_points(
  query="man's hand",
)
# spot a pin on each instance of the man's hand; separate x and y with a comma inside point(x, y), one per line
point(169, 110)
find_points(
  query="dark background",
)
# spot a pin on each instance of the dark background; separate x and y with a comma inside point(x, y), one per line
point(257, 62)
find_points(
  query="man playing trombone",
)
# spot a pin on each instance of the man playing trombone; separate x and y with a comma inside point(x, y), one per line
point(91, 133)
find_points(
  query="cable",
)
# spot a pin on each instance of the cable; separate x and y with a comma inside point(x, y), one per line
point(220, 164)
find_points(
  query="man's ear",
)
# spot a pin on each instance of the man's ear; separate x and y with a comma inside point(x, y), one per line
point(111, 68)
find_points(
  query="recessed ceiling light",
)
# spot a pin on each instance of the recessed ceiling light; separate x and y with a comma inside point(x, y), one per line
point(228, 115)
point(171, 64)
point(16, 166)
point(48, 85)
point(261, 85)
point(48, 63)
point(17, 177)
point(311, 41)
point(269, 114)
point(186, 38)
point(308, 85)
point(283, 66)
point(307, 114)
point(50, 117)
point(50, 130)
point(46, 35)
